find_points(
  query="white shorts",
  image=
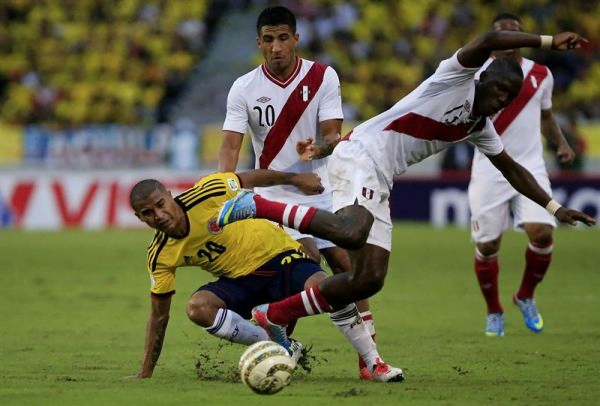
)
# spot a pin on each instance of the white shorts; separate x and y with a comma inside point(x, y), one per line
point(354, 177)
point(491, 203)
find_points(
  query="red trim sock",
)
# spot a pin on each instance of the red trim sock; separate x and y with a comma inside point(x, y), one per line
point(487, 269)
point(537, 261)
point(290, 215)
point(367, 317)
point(305, 303)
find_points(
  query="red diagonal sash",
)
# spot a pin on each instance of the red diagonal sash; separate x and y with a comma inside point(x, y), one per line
point(426, 128)
point(290, 114)
point(508, 114)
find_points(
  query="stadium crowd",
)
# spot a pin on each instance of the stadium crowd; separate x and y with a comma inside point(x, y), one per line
point(71, 62)
point(384, 49)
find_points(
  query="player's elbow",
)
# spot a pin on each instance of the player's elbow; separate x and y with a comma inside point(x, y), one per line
point(489, 40)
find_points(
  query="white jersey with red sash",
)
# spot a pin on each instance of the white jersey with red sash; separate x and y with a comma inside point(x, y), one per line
point(279, 114)
point(518, 124)
point(429, 119)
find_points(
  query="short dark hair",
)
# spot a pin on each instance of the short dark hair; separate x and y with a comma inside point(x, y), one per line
point(276, 16)
point(506, 16)
point(143, 189)
point(503, 64)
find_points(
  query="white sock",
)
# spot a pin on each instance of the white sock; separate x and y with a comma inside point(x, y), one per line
point(232, 327)
point(351, 325)
point(368, 320)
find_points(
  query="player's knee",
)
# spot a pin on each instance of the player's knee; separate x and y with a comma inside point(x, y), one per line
point(488, 248)
point(543, 236)
point(368, 285)
point(200, 312)
point(353, 227)
point(352, 237)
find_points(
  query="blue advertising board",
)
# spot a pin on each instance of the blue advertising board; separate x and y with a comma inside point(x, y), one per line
point(442, 200)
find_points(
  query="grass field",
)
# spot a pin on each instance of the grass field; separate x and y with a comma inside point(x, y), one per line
point(74, 307)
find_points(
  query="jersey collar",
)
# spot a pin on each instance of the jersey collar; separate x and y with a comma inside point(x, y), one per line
point(289, 80)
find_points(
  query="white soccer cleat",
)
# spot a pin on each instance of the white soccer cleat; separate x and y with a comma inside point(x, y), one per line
point(383, 372)
point(296, 349)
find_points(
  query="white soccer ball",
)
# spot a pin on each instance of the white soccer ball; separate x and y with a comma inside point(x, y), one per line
point(266, 367)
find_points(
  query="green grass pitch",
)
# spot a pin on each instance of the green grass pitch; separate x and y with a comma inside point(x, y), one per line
point(74, 307)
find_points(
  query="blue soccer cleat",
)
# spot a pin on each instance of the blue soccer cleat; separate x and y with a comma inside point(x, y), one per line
point(533, 320)
point(494, 325)
point(276, 332)
point(240, 207)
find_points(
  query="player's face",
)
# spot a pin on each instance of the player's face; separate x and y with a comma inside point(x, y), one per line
point(278, 45)
point(508, 25)
point(495, 91)
point(160, 211)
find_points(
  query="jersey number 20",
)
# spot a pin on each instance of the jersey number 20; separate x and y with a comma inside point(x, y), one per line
point(269, 115)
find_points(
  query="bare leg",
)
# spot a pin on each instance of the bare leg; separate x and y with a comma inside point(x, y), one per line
point(369, 267)
point(338, 260)
point(310, 248)
point(209, 311)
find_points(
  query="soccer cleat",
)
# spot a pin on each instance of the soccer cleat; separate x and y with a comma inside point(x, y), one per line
point(382, 372)
point(240, 207)
point(494, 325)
point(275, 331)
point(533, 320)
point(364, 374)
point(296, 351)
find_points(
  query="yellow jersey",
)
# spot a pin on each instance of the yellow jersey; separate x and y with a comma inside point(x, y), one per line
point(232, 251)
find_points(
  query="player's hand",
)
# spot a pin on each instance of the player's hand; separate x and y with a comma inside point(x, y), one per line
point(309, 183)
point(567, 40)
point(307, 149)
point(565, 154)
point(566, 215)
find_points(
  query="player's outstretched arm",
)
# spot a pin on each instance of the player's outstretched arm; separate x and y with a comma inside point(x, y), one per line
point(522, 180)
point(155, 334)
point(475, 53)
point(309, 183)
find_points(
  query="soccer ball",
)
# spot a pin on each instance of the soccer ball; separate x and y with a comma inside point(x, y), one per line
point(266, 367)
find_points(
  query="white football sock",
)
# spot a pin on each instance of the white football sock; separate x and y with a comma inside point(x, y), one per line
point(368, 320)
point(351, 325)
point(232, 327)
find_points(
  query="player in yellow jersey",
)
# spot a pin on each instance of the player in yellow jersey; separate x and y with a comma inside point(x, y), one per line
point(255, 262)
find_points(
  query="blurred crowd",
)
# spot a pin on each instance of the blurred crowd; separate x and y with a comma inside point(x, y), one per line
point(384, 49)
point(70, 62)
